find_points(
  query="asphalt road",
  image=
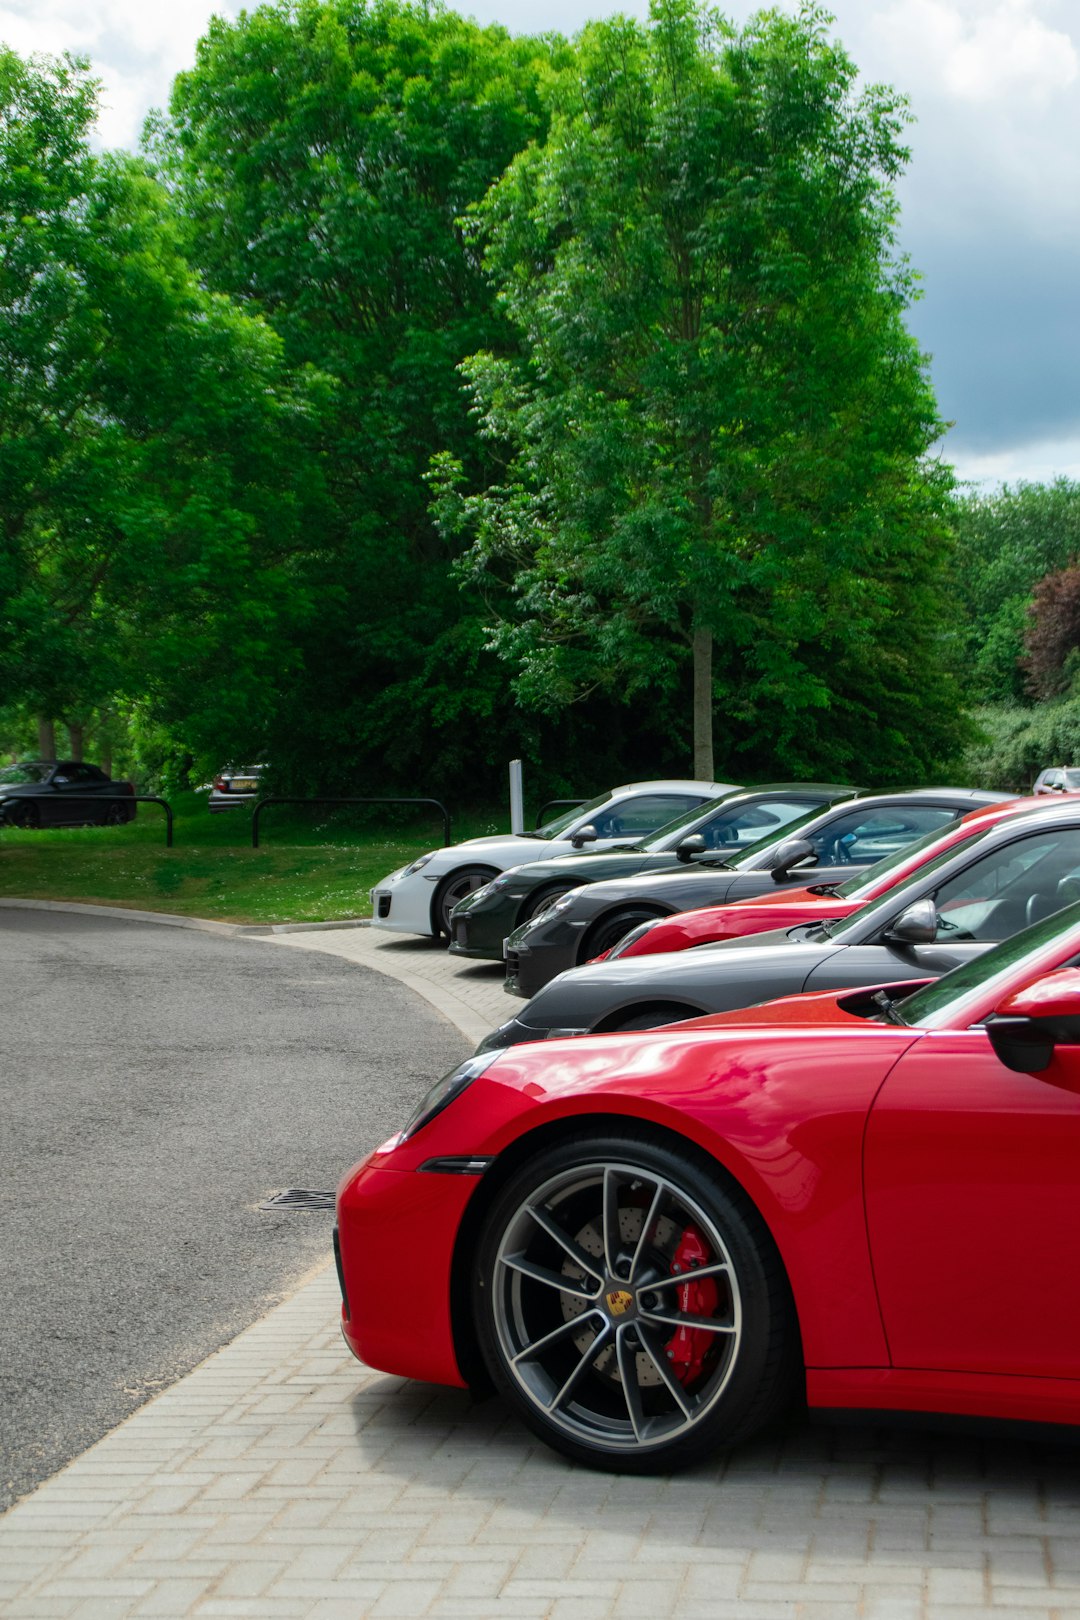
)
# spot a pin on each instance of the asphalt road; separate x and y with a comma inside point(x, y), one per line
point(156, 1085)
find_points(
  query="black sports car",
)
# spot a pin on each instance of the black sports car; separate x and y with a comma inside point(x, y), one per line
point(63, 793)
point(822, 847)
point(480, 923)
point(953, 908)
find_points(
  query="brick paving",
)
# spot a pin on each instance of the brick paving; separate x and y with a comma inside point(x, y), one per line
point(281, 1480)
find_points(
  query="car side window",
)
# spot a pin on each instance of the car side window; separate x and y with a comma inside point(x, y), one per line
point(1011, 888)
point(870, 836)
point(742, 825)
point(644, 815)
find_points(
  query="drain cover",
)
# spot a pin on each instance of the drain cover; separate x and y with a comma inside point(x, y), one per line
point(300, 1198)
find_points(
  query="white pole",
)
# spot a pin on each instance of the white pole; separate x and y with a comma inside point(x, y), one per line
point(517, 803)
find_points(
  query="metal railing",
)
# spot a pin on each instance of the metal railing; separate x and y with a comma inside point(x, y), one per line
point(555, 804)
point(97, 800)
point(263, 803)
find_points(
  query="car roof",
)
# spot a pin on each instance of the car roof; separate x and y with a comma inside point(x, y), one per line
point(680, 783)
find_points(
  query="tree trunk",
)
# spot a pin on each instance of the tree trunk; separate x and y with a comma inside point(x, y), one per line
point(75, 739)
point(46, 733)
point(703, 699)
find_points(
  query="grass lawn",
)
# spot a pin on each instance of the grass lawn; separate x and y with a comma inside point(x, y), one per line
point(312, 866)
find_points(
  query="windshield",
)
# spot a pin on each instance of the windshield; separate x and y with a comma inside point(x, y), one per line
point(24, 773)
point(864, 882)
point(893, 899)
point(1072, 779)
point(943, 1001)
point(570, 818)
point(661, 839)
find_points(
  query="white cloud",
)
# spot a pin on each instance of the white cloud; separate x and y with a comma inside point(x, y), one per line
point(978, 54)
point(1036, 463)
point(135, 48)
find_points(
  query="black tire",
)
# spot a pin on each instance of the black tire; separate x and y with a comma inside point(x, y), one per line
point(454, 887)
point(652, 1017)
point(609, 930)
point(116, 816)
point(23, 815)
point(583, 1259)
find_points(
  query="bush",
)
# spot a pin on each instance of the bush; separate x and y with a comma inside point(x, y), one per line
point(1017, 743)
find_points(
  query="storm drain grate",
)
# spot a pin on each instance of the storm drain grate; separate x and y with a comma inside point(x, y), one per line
point(300, 1198)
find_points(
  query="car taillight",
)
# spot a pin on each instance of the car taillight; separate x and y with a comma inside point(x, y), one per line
point(220, 784)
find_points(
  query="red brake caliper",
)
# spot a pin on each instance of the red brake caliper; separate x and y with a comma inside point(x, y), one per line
point(688, 1347)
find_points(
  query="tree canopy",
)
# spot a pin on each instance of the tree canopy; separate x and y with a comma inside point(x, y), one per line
point(718, 433)
point(150, 441)
point(1007, 540)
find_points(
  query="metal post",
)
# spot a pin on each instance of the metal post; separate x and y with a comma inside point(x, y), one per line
point(517, 803)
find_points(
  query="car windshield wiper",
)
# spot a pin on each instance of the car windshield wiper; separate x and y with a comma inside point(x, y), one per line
point(823, 930)
point(888, 1006)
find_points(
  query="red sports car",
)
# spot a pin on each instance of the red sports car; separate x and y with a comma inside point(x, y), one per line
point(650, 1242)
point(706, 925)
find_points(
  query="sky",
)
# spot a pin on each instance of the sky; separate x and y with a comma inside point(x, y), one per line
point(990, 203)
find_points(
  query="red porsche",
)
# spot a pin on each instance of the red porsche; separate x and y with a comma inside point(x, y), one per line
point(706, 925)
point(650, 1243)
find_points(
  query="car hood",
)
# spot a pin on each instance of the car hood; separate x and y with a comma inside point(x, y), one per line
point(729, 975)
point(745, 920)
point(522, 842)
point(707, 963)
point(589, 867)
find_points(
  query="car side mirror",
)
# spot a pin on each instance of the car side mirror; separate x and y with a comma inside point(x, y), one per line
point(584, 835)
point(693, 844)
point(918, 925)
point(1028, 1025)
point(792, 852)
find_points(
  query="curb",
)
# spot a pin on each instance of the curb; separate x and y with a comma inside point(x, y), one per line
point(170, 920)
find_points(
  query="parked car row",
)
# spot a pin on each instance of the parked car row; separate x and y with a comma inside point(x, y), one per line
point(658, 1204)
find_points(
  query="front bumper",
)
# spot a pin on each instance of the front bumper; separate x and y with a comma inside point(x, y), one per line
point(479, 931)
point(536, 953)
point(402, 905)
point(399, 1306)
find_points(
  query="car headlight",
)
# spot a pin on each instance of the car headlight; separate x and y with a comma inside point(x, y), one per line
point(487, 889)
point(421, 861)
point(562, 902)
point(444, 1091)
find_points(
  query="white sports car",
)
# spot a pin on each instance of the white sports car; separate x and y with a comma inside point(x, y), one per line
point(418, 898)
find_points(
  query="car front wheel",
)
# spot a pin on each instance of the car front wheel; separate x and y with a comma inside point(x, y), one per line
point(631, 1305)
point(609, 930)
point(22, 815)
point(453, 888)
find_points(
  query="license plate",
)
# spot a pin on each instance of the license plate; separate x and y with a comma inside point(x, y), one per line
point(242, 784)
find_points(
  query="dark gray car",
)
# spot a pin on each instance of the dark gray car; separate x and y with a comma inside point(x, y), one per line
point(825, 846)
point(952, 909)
point(63, 793)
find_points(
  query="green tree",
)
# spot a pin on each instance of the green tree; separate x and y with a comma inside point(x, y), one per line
point(1007, 540)
point(716, 450)
point(153, 474)
point(323, 153)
